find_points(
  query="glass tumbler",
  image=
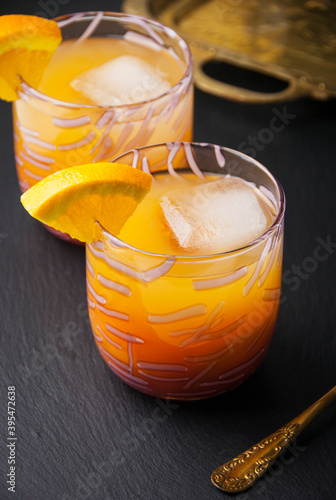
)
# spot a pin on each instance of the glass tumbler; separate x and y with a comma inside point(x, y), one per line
point(50, 134)
point(187, 327)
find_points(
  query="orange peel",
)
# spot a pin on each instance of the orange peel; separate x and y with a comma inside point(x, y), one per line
point(27, 43)
point(73, 199)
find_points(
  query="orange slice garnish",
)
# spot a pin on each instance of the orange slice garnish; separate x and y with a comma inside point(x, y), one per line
point(73, 199)
point(27, 44)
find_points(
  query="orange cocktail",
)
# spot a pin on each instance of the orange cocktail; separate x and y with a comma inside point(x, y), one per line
point(184, 302)
point(115, 83)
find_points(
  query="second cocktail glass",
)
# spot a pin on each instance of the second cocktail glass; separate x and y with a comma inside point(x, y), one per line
point(51, 134)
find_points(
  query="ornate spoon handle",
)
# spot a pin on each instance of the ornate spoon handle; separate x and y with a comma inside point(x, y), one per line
point(241, 472)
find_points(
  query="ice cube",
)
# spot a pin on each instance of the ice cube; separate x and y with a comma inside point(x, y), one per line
point(123, 80)
point(216, 216)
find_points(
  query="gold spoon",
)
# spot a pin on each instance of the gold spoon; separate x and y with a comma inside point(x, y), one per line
point(242, 472)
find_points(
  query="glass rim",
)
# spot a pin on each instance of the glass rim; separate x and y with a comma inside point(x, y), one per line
point(32, 92)
point(264, 236)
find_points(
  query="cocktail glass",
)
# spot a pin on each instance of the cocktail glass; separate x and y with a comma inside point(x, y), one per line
point(187, 327)
point(50, 134)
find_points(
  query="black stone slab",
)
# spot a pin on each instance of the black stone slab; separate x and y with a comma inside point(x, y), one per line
point(84, 434)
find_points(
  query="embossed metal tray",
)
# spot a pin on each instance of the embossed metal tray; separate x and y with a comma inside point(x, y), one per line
point(290, 40)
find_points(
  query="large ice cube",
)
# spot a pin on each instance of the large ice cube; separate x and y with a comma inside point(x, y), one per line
point(216, 216)
point(123, 80)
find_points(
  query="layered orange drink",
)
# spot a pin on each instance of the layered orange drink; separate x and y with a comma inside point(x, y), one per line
point(115, 82)
point(183, 303)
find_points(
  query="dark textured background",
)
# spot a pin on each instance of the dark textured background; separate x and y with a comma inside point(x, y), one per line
point(82, 433)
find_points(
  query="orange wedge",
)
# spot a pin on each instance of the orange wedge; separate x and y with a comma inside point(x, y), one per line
point(27, 44)
point(73, 199)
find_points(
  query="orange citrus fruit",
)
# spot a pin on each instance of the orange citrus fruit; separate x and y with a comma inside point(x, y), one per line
point(27, 44)
point(73, 199)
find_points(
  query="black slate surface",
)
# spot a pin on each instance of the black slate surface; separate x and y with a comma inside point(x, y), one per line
point(84, 434)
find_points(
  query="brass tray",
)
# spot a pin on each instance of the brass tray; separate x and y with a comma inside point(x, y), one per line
point(294, 41)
